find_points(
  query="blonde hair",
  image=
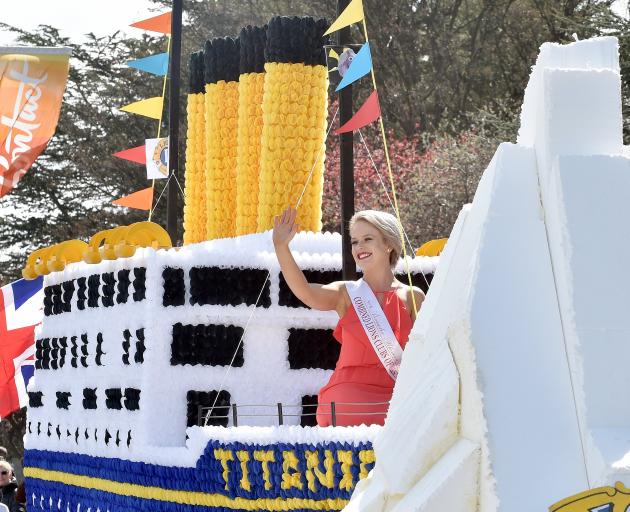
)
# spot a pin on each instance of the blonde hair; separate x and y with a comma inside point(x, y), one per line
point(387, 225)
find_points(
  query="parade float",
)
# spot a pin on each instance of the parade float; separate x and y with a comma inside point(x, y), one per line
point(186, 378)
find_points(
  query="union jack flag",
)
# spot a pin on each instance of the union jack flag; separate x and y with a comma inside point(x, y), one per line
point(21, 310)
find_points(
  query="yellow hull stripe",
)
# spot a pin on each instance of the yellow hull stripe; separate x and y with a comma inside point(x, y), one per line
point(183, 497)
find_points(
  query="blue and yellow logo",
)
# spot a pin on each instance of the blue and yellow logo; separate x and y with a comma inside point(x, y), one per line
point(600, 499)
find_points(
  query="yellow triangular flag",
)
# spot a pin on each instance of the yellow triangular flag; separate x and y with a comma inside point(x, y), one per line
point(350, 15)
point(151, 107)
point(333, 54)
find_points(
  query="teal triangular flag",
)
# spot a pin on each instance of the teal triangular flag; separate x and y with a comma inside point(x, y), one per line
point(155, 64)
point(361, 66)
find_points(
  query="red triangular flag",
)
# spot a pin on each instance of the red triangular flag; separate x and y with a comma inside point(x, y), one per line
point(370, 111)
point(160, 23)
point(137, 154)
point(141, 200)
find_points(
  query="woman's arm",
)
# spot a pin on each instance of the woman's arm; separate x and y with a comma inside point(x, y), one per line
point(317, 296)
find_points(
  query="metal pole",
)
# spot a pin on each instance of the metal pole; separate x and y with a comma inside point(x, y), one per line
point(172, 206)
point(234, 416)
point(280, 415)
point(346, 161)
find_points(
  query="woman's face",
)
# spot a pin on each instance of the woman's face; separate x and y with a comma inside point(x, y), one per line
point(369, 248)
point(5, 474)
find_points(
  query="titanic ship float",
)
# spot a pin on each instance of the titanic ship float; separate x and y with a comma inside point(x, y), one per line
point(185, 379)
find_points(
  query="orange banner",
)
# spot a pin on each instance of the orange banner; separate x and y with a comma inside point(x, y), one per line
point(32, 83)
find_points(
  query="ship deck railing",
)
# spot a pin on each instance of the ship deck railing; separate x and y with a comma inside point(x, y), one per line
point(206, 416)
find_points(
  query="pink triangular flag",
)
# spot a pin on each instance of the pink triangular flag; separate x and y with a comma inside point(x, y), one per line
point(137, 154)
point(370, 111)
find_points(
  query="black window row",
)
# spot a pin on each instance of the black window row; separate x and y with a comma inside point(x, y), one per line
point(115, 437)
point(115, 398)
point(111, 288)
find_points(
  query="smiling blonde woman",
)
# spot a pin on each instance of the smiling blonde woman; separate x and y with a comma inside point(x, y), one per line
point(375, 316)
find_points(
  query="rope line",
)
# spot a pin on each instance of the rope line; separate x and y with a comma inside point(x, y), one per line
point(391, 181)
point(424, 277)
point(168, 51)
point(240, 341)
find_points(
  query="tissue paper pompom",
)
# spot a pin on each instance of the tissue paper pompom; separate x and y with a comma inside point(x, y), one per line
point(122, 286)
point(35, 399)
point(63, 399)
point(197, 399)
point(93, 290)
point(113, 398)
point(309, 411)
point(195, 217)
point(221, 147)
point(81, 293)
point(213, 345)
point(108, 289)
point(195, 173)
point(221, 60)
point(313, 348)
point(296, 40)
point(294, 118)
point(67, 294)
point(228, 286)
point(252, 42)
point(174, 288)
point(250, 125)
point(196, 73)
point(140, 348)
point(139, 284)
point(287, 298)
point(132, 399)
point(89, 398)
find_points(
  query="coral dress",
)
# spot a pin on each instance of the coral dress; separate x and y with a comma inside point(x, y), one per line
point(359, 376)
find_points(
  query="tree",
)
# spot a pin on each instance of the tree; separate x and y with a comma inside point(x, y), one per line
point(68, 191)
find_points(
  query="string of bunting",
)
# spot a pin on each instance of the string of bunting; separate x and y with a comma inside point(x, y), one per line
point(153, 154)
point(370, 111)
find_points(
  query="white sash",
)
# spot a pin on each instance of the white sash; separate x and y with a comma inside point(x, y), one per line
point(376, 326)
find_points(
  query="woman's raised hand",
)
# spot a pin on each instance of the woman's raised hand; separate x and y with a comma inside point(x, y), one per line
point(284, 227)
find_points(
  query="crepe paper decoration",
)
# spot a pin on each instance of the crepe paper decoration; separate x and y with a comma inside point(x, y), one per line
point(156, 153)
point(370, 111)
point(432, 247)
point(136, 154)
point(160, 23)
point(351, 14)
point(151, 107)
point(155, 64)
point(360, 65)
point(141, 200)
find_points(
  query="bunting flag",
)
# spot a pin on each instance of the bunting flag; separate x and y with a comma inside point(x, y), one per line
point(151, 107)
point(136, 154)
point(160, 23)
point(360, 66)
point(21, 309)
point(369, 112)
point(156, 154)
point(141, 200)
point(155, 64)
point(351, 14)
point(32, 83)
